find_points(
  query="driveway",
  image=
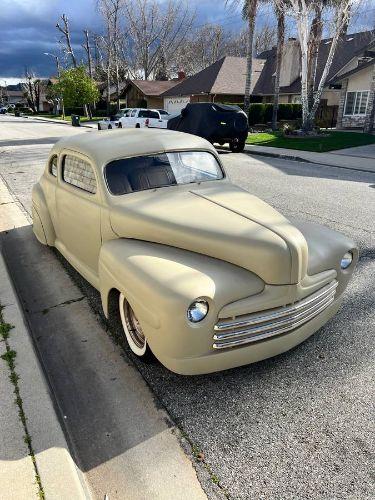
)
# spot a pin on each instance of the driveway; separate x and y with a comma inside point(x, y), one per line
point(296, 426)
point(359, 152)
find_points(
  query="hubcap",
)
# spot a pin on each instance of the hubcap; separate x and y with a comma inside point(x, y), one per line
point(134, 327)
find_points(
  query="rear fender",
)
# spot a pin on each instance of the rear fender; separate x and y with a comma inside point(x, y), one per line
point(42, 223)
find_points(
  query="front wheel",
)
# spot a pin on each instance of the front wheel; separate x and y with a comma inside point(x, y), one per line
point(120, 125)
point(99, 126)
point(237, 146)
point(133, 331)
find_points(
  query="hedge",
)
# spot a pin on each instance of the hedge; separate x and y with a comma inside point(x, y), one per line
point(262, 113)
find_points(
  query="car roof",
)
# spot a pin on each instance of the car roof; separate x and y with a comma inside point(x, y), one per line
point(105, 146)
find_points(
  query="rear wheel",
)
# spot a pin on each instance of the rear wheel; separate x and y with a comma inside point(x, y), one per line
point(237, 146)
point(109, 127)
point(133, 331)
point(137, 125)
point(120, 125)
point(99, 126)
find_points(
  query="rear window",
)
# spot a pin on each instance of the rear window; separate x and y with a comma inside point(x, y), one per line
point(129, 175)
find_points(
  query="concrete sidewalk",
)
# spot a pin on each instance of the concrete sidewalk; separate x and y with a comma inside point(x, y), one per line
point(41, 464)
point(333, 159)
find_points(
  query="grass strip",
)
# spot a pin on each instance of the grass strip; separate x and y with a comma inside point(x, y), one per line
point(9, 357)
point(319, 144)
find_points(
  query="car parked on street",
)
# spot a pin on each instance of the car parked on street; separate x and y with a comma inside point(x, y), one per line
point(218, 123)
point(198, 271)
point(113, 121)
point(141, 117)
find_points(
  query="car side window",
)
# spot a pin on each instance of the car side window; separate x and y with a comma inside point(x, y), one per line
point(134, 112)
point(79, 173)
point(53, 165)
point(144, 113)
point(153, 114)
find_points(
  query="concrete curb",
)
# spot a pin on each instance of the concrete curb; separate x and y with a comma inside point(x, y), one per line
point(282, 156)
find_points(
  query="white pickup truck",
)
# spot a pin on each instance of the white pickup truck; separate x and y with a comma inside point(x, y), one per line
point(141, 117)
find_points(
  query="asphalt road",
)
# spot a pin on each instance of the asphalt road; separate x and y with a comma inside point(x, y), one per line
point(300, 425)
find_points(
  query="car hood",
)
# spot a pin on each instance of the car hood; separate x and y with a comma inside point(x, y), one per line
point(219, 220)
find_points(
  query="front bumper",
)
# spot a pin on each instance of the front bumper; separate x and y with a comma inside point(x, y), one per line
point(218, 360)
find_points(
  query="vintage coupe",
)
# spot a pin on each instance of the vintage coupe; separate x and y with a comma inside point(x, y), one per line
point(200, 272)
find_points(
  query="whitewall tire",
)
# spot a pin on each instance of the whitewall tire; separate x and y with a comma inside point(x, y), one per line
point(132, 329)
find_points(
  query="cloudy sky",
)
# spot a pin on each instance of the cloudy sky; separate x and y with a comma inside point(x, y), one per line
point(27, 29)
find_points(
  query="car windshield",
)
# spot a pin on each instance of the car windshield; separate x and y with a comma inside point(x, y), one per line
point(159, 170)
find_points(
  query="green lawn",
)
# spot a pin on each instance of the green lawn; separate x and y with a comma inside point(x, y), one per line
point(331, 142)
point(68, 117)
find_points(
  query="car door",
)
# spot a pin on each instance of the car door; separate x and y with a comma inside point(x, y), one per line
point(78, 205)
point(131, 119)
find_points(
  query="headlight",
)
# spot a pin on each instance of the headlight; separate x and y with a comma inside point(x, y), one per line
point(346, 260)
point(197, 311)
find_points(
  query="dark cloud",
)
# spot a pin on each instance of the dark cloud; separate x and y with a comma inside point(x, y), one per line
point(28, 30)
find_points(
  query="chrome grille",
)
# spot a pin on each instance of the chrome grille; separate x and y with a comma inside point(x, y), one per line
point(259, 326)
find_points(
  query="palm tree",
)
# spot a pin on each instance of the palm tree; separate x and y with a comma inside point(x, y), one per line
point(280, 15)
point(249, 11)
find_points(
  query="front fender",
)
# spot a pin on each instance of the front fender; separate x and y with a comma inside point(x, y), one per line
point(160, 282)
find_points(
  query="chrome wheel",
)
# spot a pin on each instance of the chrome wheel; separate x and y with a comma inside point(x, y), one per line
point(132, 328)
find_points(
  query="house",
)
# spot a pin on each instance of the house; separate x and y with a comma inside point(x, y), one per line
point(224, 80)
point(13, 94)
point(16, 94)
point(356, 106)
point(144, 93)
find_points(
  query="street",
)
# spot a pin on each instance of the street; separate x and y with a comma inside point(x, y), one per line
point(296, 426)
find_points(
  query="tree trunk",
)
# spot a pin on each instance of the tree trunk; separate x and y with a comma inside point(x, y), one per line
point(302, 24)
point(108, 88)
point(313, 51)
point(279, 57)
point(341, 18)
point(251, 13)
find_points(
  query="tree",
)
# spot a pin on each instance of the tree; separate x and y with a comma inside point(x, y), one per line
point(301, 11)
point(279, 59)
point(249, 11)
point(66, 40)
point(156, 32)
point(265, 38)
point(33, 88)
point(111, 11)
point(76, 87)
point(205, 45)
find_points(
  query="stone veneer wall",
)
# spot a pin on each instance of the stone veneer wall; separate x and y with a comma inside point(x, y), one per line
point(340, 112)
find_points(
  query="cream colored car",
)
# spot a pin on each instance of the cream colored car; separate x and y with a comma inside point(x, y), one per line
point(200, 272)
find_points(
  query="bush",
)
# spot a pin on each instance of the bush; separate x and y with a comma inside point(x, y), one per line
point(262, 113)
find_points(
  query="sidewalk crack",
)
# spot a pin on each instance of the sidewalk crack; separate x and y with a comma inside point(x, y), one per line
point(65, 303)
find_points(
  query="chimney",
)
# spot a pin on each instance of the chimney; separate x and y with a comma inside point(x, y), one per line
point(181, 75)
point(291, 63)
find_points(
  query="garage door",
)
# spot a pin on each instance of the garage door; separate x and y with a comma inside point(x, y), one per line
point(175, 104)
